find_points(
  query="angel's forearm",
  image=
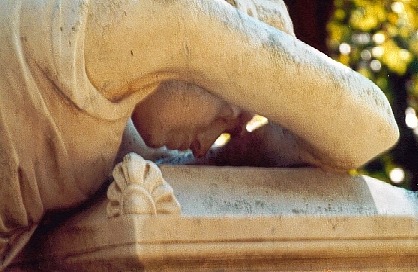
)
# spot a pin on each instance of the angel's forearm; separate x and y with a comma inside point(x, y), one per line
point(247, 63)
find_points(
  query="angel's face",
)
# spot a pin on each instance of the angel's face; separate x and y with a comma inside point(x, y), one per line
point(181, 116)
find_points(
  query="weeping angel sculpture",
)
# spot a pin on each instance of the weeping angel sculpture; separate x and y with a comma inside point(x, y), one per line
point(74, 72)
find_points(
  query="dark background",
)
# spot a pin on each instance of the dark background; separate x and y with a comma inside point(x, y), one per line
point(310, 18)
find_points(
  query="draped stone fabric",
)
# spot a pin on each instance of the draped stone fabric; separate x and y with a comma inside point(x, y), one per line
point(46, 98)
point(43, 85)
point(59, 135)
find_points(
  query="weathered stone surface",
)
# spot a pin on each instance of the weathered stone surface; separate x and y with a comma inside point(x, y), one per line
point(244, 219)
point(74, 72)
point(327, 105)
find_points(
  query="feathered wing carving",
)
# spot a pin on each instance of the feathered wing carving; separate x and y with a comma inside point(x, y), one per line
point(139, 188)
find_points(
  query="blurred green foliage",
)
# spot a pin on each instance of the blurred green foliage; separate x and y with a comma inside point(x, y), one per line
point(379, 39)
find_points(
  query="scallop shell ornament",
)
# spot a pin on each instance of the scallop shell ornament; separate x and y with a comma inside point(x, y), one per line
point(139, 188)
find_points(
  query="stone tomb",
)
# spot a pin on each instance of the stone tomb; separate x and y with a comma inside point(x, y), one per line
point(240, 219)
point(66, 98)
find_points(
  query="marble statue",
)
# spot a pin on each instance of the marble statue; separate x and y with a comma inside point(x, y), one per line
point(74, 72)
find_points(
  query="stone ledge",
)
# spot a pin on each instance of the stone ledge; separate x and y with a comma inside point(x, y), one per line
point(278, 235)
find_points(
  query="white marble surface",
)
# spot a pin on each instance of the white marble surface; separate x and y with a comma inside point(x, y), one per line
point(243, 219)
point(223, 191)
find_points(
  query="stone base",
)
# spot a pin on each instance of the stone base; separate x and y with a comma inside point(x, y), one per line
point(243, 219)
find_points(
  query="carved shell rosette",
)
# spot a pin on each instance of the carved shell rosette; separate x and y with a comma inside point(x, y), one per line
point(139, 188)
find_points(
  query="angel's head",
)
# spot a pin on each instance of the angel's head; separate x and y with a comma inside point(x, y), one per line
point(183, 116)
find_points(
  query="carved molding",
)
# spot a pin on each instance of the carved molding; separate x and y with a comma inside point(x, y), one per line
point(139, 188)
point(258, 219)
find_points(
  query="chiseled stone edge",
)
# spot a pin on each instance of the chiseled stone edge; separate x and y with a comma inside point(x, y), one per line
point(373, 242)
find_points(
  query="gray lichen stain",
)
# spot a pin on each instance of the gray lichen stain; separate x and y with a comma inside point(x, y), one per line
point(235, 206)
